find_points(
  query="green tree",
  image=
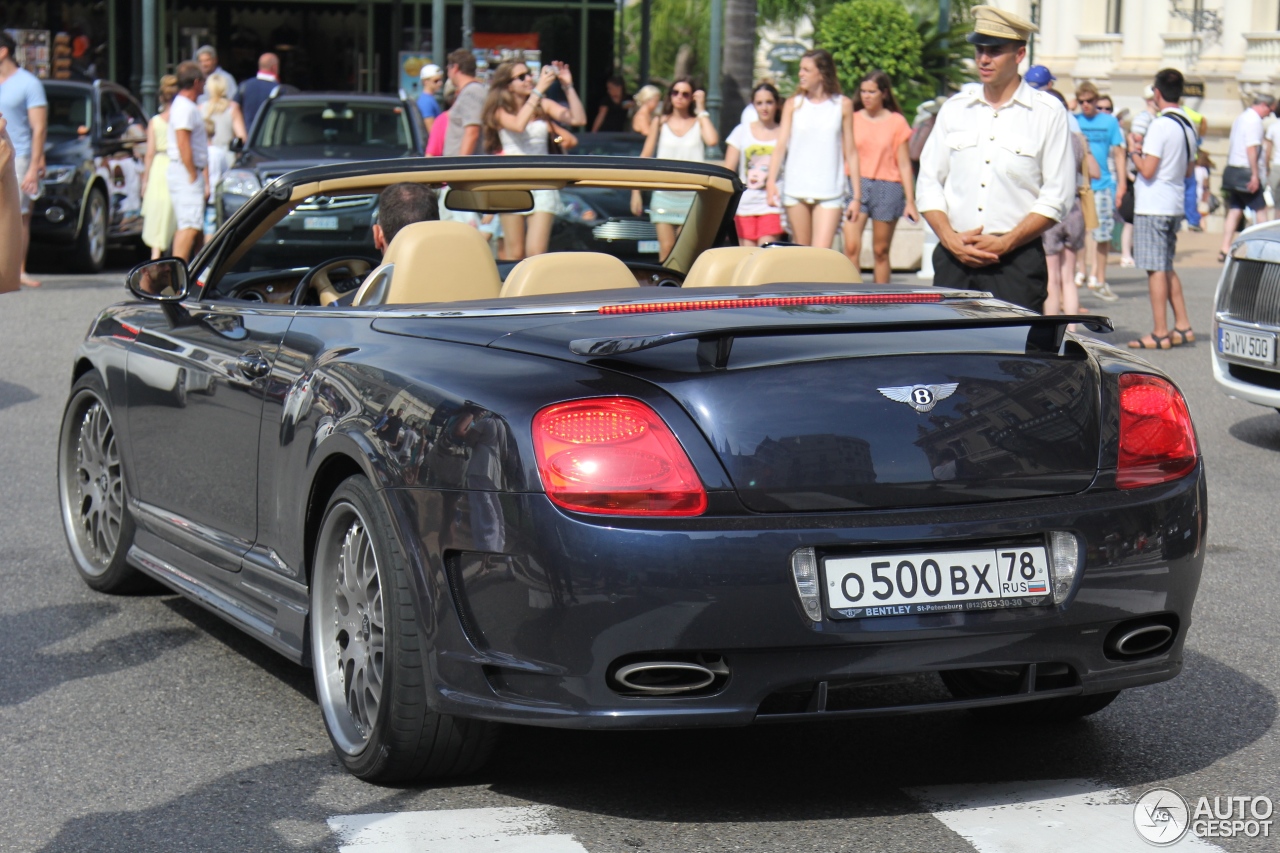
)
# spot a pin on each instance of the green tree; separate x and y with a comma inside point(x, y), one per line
point(680, 33)
point(945, 56)
point(865, 35)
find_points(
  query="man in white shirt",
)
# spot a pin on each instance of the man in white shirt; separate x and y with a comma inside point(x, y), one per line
point(188, 162)
point(1242, 178)
point(997, 171)
point(1165, 158)
point(207, 58)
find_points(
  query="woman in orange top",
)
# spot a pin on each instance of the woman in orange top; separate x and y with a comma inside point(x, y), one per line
point(888, 188)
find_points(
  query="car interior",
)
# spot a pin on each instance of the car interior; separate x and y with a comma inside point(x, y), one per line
point(453, 261)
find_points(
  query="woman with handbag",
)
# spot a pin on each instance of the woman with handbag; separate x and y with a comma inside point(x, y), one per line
point(517, 120)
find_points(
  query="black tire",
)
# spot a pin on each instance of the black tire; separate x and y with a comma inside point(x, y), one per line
point(91, 492)
point(91, 242)
point(966, 684)
point(401, 739)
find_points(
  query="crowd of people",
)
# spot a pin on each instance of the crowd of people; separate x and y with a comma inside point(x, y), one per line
point(1031, 225)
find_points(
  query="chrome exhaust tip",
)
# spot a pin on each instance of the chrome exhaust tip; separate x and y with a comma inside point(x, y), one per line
point(1141, 638)
point(670, 677)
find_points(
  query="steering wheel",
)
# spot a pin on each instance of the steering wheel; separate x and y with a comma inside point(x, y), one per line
point(320, 285)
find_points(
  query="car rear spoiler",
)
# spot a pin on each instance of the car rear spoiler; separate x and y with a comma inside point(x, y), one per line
point(1044, 335)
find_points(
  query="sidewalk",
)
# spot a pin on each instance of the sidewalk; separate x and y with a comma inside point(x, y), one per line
point(1196, 249)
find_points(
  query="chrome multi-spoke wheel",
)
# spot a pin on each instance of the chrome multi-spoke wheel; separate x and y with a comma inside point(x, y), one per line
point(91, 489)
point(351, 647)
point(366, 649)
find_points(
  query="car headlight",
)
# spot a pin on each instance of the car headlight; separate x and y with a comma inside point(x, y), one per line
point(240, 182)
point(576, 209)
point(59, 174)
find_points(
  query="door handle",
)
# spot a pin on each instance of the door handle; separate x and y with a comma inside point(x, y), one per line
point(253, 365)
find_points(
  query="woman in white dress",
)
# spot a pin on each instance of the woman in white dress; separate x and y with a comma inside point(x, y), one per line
point(807, 173)
point(517, 120)
point(683, 132)
point(223, 122)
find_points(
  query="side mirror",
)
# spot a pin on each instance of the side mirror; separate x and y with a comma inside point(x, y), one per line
point(237, 144)
point(164, 280)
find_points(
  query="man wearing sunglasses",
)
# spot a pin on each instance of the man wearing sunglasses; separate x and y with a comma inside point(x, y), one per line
point(1106, 142)
point(997, 171)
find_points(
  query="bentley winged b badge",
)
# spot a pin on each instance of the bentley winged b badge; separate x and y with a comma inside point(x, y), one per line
point(922, 398)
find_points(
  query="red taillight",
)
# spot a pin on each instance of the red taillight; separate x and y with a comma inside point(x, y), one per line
point(614, 456)
point(1157, 442)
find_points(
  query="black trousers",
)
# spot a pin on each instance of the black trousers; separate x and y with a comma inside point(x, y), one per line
point(1020, 277)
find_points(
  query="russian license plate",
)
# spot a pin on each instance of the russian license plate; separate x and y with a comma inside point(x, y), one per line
point(936, 582)
point(320, 223)
point(1253, 346)
point(647, 247)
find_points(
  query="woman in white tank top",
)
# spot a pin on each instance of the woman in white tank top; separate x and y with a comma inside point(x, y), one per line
point(814, 146)
point(683, 133)
point(517, 121)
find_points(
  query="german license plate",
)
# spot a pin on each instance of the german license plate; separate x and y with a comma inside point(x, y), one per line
point(647, 247)
point(320, 223)
point(936, 582)
point(1247, 345)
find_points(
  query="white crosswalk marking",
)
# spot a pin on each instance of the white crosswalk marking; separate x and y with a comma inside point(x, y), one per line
point(1066, 816)
point(492, 830)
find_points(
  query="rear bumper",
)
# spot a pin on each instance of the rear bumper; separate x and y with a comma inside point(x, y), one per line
point(530, 621)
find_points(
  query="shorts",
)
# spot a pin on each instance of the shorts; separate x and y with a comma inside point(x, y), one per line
point(544, 201)
point(883, 201)
point(1104, 201)
point(187, 197)
point(1155, 239)
point(760, 225)
point(1067, 234)
point(21, 165)
point(1274, 181)
point(1241, 201)
point(837, 203)
point(669, 208)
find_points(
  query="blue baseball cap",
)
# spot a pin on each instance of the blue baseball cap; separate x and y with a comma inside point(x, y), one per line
point(1038, 77)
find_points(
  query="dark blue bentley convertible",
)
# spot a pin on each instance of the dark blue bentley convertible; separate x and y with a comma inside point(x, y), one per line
point(735, 486)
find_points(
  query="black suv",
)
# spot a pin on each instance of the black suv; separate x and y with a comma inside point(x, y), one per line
point(89, 123)
point(296, 130)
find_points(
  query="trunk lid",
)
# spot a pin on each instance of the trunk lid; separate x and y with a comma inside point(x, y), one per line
point(858, 407)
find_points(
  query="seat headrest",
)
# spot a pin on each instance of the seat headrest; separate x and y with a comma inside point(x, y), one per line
point(567, 272)
point(439, 262)
point(797, 263)
point(716, 267)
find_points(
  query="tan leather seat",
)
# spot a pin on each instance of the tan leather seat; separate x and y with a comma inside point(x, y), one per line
point(716, 267)
point(434, 262)
point(567, 272)
point(796, 263)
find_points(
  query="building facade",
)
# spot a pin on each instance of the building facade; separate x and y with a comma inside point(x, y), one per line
point(322, 44)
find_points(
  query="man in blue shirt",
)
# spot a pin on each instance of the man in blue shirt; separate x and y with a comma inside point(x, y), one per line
point(1106, 142)
point(255, 92)
point(432, 81)
point(24, 107)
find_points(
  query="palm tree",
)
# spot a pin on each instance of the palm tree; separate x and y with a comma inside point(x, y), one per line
point(739, 60)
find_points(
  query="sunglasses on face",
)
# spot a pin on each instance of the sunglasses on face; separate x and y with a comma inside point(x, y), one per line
point(1106, 109)
point(679, 94)
point(525, 76)
point(1088, 100)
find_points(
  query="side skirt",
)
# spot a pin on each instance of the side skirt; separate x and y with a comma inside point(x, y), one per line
point(289, 642)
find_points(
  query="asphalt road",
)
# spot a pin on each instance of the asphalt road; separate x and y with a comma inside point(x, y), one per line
point(145, 724)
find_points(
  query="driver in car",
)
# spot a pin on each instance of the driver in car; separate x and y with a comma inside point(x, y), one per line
point(398, 205)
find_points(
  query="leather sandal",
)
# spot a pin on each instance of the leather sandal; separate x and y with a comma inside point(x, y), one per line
point(1182, 336)
point(1160, 342)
